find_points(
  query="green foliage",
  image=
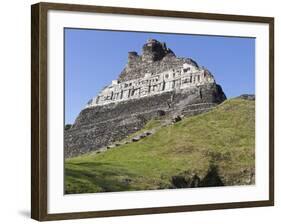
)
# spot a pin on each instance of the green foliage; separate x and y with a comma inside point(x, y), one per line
point(223, 137)
point(67, 127)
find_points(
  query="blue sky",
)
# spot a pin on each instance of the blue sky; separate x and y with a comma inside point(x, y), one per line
point(94, 57)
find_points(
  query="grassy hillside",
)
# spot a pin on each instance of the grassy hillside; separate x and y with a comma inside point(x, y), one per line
point(215, 146)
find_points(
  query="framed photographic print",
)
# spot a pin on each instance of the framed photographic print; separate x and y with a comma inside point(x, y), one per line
point(139, 111)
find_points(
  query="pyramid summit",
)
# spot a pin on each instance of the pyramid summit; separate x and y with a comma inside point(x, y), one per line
point(156, 71)
point(155, 58)
point(154, 84)
point(153, 50)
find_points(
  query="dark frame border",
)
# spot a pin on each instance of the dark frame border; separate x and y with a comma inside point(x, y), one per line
point(39, 110)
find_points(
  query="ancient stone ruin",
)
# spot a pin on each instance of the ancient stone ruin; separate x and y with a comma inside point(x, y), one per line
point(154, 81)
point(153, 84)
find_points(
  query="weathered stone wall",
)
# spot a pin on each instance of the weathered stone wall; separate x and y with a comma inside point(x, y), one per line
point(156, 71)
point(193, 91)
point(155, 58)
point(100, 126)
point(183, 78)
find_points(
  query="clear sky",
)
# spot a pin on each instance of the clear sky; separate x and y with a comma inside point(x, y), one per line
point(94, 57)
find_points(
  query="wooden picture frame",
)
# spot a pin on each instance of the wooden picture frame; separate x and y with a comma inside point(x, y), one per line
point(39, 110)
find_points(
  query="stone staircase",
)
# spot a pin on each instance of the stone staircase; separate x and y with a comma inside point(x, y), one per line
point(186, 111)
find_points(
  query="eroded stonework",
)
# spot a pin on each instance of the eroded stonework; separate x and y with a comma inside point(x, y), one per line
point(153, 84)
point(186, 76)
point(182, 75)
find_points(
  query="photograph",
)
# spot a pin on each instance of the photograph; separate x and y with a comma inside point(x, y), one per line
point(139, 112)
point(156, 111)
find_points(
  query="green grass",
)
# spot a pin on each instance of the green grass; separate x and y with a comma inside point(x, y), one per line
point(223, 137)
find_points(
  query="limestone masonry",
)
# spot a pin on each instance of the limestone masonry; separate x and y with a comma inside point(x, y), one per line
point(184, 75)
point(153, 84)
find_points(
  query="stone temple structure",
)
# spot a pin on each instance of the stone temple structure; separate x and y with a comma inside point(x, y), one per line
point(152, 84)
point(185, 76)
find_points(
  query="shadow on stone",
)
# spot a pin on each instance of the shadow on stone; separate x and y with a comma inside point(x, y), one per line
point(161, 113)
